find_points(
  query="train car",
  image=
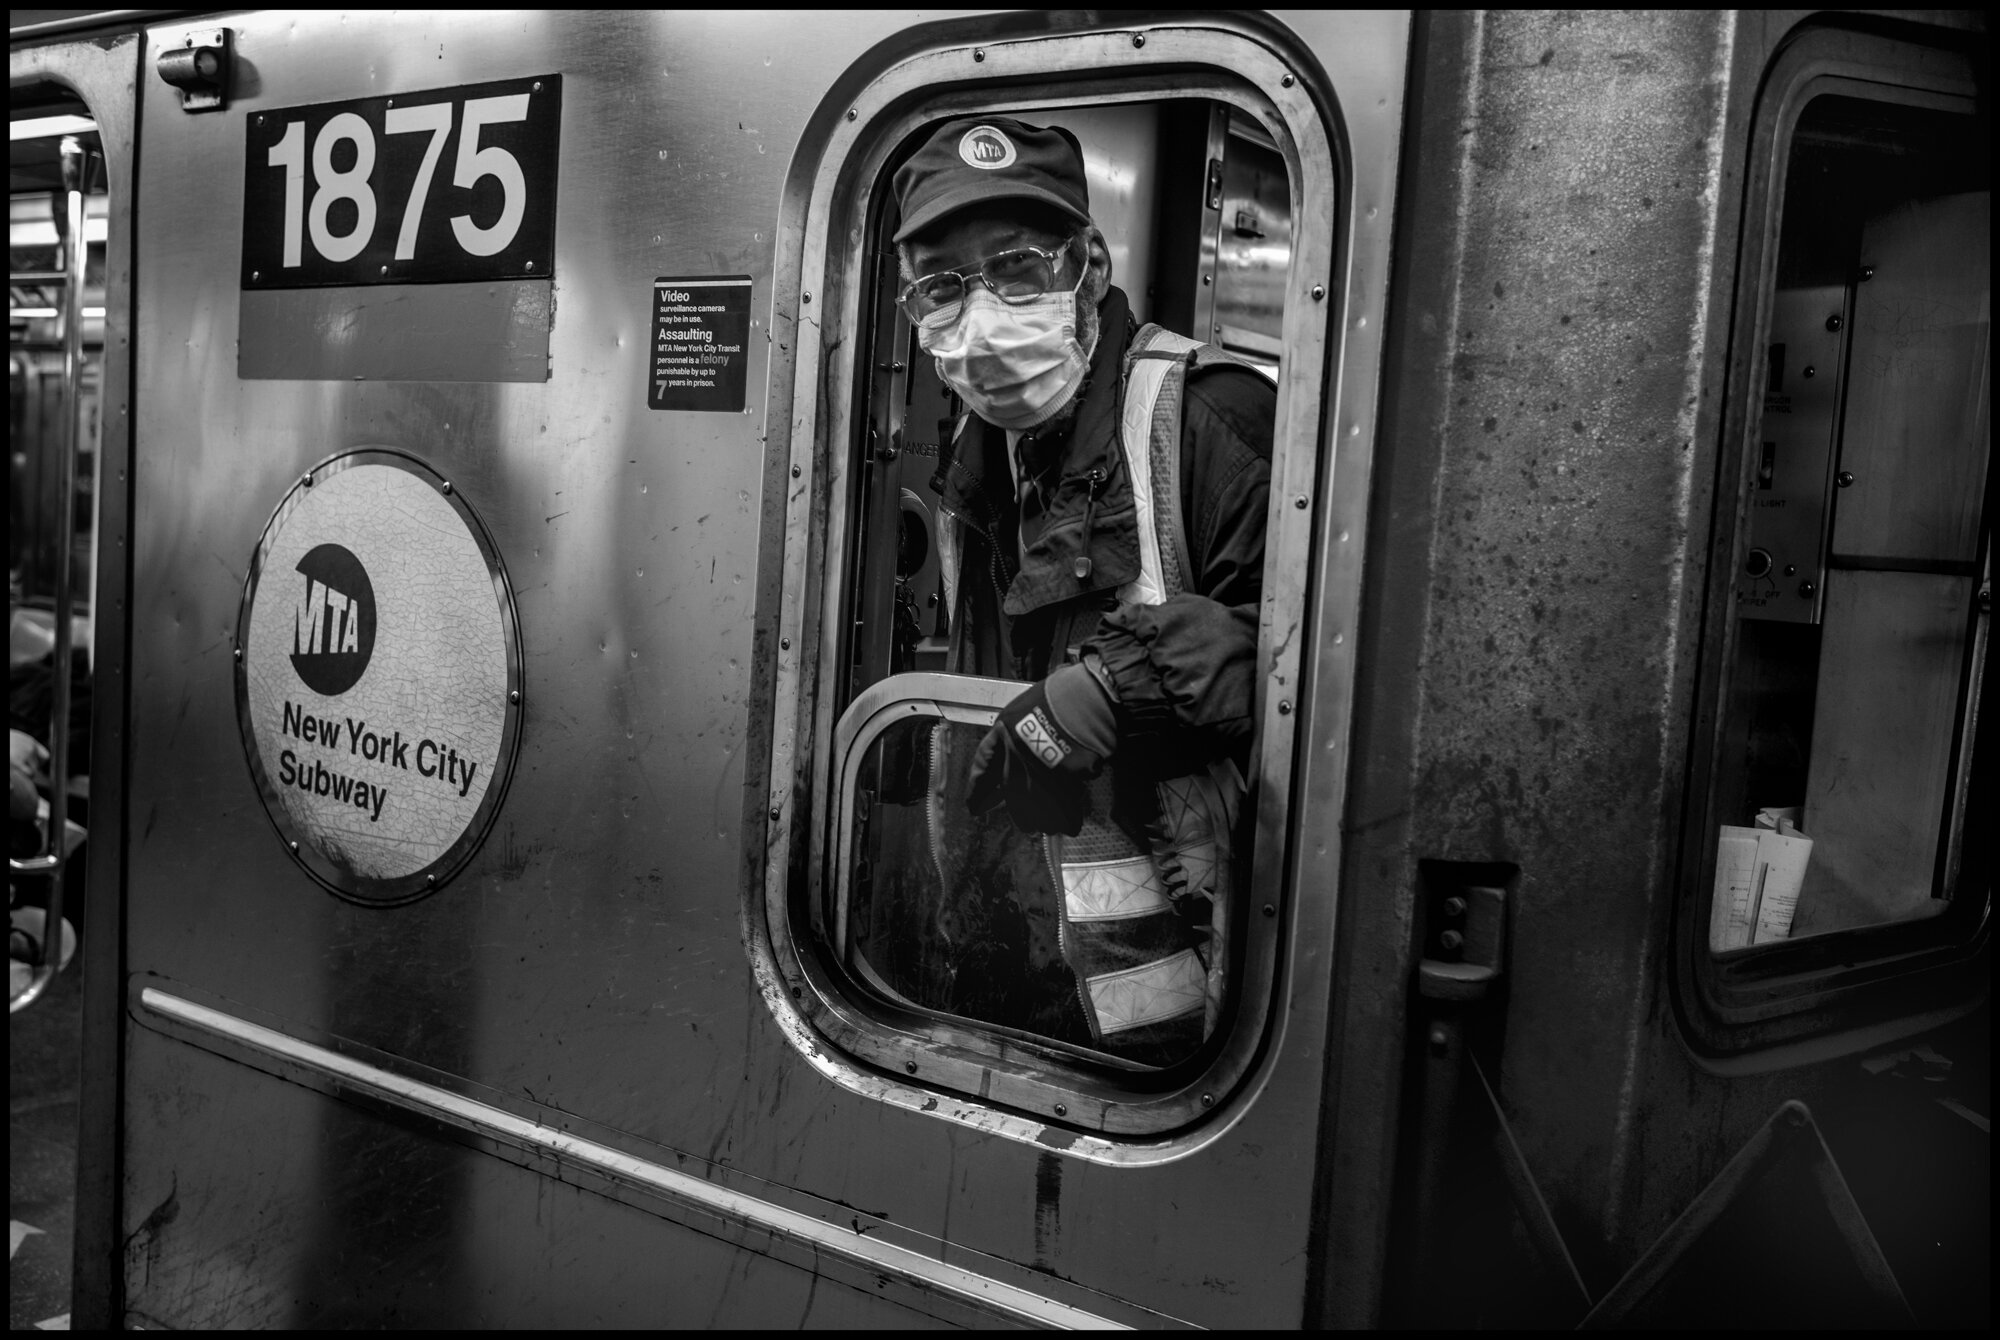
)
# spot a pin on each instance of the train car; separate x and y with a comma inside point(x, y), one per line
point(486, 461)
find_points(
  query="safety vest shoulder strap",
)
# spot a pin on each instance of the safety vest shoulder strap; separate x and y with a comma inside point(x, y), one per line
point(1157, 365)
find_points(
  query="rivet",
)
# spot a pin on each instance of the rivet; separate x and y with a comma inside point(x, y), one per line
point(1811, 372)
point(910, 1066)
point(385, 269)
point(256, 275)
point(1440, 1041)
point(978, 54)
point(1300, 502)
point(1062, 1109)
point(306, 479)
point(1287, 81)
point(1833, 322)
point(798, 993)
point(295, 848)
point(430, 879)
point(530, 265)
point(798, 470)
point(1867, 273)
point(805, 297)
point(446, 486)
point(537, 87)
point(239, 653)
point(1806, 590)
point(513, 695)
point(1845, 479)
point(1454, 906)
point(1208, 1100)
point(851, 113)
point(1451, 940)
point(774, 815)
point(1285, 708)
point(784, 644)
point(1206, 280)
point(1270, 909)
point(1319, 292)
point(1138, 39)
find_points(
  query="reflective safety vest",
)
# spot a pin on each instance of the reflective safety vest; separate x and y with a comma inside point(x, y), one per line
point(1146, 886)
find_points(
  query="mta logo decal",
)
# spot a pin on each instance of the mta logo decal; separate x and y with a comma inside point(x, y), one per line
point(985, 147)
point(333, 626)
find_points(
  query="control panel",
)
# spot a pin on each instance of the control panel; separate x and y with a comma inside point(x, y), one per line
point(1782, 574)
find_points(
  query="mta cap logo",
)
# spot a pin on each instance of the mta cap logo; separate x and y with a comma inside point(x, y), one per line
point(985, 147)
point(333, 626)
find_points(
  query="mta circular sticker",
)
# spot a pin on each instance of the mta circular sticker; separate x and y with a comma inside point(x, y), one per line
point(378, 676)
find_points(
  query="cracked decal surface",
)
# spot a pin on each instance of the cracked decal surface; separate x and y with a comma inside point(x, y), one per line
point(375, 673)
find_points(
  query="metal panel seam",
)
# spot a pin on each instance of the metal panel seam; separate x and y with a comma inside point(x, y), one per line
point(485, 1119)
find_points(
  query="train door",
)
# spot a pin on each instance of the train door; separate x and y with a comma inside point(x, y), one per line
point(523, 540)
point(1058, 1150)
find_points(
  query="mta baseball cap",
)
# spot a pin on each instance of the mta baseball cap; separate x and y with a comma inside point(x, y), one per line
point(978, 160)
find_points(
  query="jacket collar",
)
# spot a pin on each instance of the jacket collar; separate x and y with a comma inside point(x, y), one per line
point(976, 480)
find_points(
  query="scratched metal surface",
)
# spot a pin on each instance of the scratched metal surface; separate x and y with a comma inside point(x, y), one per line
point(1557, 378)
point(589, 958)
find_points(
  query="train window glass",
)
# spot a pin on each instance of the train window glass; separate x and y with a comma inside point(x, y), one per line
point(58, 220)
point(39, 394)
point(1853, 745)
point(1110, 944)
point(1110, 975)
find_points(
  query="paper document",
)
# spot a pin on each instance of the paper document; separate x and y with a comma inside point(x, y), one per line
point(1780, 819)
point(1758, 873)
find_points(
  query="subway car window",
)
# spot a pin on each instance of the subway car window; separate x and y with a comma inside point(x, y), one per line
point(991, 562)
point(1855, 752)
point(57, 220)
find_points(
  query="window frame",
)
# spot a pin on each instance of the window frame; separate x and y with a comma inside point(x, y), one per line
point(1766, 1007)
point(1026, 1092)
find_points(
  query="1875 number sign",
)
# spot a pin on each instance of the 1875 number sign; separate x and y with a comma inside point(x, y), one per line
point(452, 184)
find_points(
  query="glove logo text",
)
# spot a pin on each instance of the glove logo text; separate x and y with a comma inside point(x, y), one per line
point(1039, 734)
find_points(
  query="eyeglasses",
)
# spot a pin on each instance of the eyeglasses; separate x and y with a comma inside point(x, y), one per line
point(1017, 275)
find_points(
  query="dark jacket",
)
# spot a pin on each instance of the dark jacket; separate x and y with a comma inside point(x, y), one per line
point(1183, 670)
point(988, 943)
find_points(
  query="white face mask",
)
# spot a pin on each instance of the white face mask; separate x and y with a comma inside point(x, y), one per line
point(1015, 366)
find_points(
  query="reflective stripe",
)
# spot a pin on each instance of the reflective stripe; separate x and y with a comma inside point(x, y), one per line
point(947, 545)
point(1149, 993)
point(1142, 392)
point(710, 1198)
point(1113, 890)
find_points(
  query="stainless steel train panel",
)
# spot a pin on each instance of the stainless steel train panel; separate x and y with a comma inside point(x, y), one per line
point(588, 965)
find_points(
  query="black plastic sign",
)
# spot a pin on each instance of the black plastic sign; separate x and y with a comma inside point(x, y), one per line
point(701, 343)
point(448, 185)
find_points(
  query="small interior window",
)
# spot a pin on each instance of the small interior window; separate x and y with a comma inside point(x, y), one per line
point(1118, 947)
point(39, 395)
point(1855, 757)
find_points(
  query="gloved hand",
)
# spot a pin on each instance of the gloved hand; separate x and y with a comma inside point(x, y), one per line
point(1046, 744)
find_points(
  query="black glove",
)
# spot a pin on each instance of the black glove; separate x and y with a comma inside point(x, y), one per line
point(1047, 743)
